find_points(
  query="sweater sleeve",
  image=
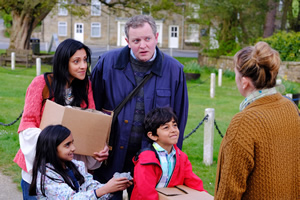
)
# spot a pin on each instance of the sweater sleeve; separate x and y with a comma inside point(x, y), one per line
point(235, 164)
point(33, 104)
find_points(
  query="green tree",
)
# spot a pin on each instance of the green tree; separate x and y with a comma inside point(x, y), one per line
point(26, 15)
point(237, 22)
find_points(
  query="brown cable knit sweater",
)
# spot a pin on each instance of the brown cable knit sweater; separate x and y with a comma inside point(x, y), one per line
point(259, 157)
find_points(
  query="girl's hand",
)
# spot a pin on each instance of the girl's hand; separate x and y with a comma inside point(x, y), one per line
point(114, 185)
point(102, 155)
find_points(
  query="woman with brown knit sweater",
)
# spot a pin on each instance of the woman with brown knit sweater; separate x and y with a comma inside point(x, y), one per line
point(259, 156)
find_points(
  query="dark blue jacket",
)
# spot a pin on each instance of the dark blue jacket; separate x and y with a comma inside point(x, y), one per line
point(113, 79)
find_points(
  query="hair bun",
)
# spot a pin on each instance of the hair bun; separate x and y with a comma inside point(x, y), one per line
point(260, 63)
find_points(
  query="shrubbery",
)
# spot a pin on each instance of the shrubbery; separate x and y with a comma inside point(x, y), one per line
point(287, 44)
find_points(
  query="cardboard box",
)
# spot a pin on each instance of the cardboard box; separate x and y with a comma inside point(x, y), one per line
point(182, 192)
point(90, 128)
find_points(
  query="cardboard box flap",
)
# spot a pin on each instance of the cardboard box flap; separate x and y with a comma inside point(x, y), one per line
point(90, 128)
point(182, 192)
point(172, 191)
point(54, 115)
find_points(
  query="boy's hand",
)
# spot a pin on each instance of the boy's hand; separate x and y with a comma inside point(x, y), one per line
point(102, 155)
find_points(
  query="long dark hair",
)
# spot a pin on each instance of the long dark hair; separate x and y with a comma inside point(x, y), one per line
point(61, 75)
point(46, 152)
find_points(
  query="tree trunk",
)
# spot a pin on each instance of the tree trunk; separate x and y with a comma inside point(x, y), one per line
point(269, 26)
point(294, 21)
point(286, 7)
point(25, 21)
point(21, 31)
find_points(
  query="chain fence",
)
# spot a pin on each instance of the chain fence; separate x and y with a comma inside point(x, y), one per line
point(185, 137)
point(200, 123)
point(9, 124)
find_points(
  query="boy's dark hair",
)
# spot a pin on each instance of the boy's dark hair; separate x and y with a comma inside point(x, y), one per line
point(46, 152)
point(157, 117)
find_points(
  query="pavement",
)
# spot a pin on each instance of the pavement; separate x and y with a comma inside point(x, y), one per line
point(8, 189)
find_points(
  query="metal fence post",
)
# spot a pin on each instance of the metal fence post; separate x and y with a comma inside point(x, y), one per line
point(208, 149)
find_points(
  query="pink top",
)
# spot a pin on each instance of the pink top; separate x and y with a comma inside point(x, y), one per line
point(33, 110)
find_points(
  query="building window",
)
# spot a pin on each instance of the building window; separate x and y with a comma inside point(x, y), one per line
point(193, 33)
point(95, 8)
point(62, 29)
point(62, 11)
point(95, 29)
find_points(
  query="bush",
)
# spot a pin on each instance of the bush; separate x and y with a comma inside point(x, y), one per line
point(290, 87)
point(192, 67)
point(229, 74)
point(287, 44)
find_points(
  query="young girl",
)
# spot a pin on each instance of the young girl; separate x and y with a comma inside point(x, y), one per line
point(67, 85)
point(57, 176)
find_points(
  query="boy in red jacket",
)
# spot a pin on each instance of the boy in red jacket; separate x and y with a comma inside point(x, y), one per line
point(162, 164)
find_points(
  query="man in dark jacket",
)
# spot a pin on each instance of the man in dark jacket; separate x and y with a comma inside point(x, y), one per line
point(117, 73)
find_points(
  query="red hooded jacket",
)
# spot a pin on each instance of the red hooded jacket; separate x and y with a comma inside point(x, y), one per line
point(147, 173)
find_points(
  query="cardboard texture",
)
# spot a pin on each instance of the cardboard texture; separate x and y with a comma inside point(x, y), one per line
point(90, 128)
point(181, 192)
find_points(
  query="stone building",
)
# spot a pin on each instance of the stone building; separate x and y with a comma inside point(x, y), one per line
point(102, 27)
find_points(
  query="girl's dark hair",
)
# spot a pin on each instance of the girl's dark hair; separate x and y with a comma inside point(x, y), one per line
point(46, 152)
point(61, 75)
point(157, 117)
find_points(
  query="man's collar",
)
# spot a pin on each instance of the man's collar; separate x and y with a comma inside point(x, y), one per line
point(151, 59)
point(124, 58)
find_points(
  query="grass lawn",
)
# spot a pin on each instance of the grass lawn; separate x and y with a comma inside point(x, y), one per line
point(13, 85)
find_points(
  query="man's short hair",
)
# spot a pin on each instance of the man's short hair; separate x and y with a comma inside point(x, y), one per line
point(139, 21)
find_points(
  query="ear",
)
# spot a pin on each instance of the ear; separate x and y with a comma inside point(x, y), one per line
point(152, 137)
point(127, 42)
point(156, 36)
point(246, 82)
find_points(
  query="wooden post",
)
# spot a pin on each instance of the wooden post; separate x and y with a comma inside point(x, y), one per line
point(212, 85)
point(208, 149)
point(278, 81)
point(13, 60)
point(289, 96)
point(38, 66)
point(220, 77)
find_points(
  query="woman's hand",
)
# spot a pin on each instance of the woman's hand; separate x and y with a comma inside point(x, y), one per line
point(102, 155)
point(114, 185)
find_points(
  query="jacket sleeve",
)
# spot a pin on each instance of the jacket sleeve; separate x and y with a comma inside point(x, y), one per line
point(97, 84)
point(191, 179)
point(60, 190)
point(181, 106)
point(234, 166)
point(145, 182)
